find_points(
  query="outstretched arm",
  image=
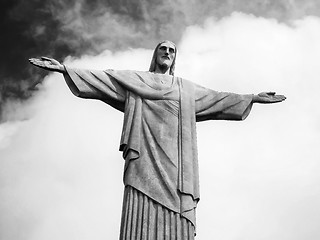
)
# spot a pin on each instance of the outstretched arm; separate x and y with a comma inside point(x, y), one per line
point(92, 84)
point(268, 97)
point(49, 64)
point(213, 105)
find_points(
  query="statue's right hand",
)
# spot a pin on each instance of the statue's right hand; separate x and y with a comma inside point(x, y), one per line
point(47, 64)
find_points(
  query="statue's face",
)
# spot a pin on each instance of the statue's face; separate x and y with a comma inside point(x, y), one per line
point(166, 54)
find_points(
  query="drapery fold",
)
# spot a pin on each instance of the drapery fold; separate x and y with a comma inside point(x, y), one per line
point(144, 219)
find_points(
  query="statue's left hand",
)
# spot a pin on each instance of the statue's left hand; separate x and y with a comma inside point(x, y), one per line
point(268, 97)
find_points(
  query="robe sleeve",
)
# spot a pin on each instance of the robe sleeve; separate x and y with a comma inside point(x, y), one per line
point(213, 105)
point(95, 84)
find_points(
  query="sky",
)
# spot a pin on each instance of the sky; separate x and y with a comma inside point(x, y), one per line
point(61, 171)
point(75, 27)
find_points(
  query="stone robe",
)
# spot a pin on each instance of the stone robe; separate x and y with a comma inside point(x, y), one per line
point(158, 138)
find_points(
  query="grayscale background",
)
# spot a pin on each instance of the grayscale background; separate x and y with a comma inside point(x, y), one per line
point(60, 169)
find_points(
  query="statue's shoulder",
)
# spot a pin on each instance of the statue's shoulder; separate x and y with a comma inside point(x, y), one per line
point(186, 82)
point(126, 74)
point(119, 71)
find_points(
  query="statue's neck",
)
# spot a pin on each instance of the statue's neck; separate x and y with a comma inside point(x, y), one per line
point(162, 69)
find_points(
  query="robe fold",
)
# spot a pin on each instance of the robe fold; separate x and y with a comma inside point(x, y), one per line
point(158, 138)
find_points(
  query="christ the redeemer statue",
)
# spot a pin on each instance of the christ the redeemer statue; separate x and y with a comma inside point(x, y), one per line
point(158, 138)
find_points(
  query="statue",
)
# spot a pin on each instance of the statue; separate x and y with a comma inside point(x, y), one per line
point(158, 138)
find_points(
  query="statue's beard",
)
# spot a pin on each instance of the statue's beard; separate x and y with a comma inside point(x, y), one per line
point(163, 67)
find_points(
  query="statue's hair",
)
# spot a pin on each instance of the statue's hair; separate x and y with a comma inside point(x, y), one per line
point(154, 58)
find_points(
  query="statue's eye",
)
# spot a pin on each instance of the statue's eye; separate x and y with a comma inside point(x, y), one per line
point(164, 48)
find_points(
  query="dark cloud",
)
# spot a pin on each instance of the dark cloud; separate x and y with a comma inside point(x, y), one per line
point(70, 27)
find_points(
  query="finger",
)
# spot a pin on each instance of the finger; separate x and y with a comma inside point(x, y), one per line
point(36, 60)
point(38, 63)
point(271, 93)
point(46, 58)
point(33, 59)
point(280, 97)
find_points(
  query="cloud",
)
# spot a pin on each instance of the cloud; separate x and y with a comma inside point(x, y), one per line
point(61, 173)
point(61, 28)
point(92, 27)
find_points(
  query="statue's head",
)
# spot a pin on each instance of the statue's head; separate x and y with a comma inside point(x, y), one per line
point(164, 55)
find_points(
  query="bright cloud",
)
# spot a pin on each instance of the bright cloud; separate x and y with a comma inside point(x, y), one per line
point(61, 173)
